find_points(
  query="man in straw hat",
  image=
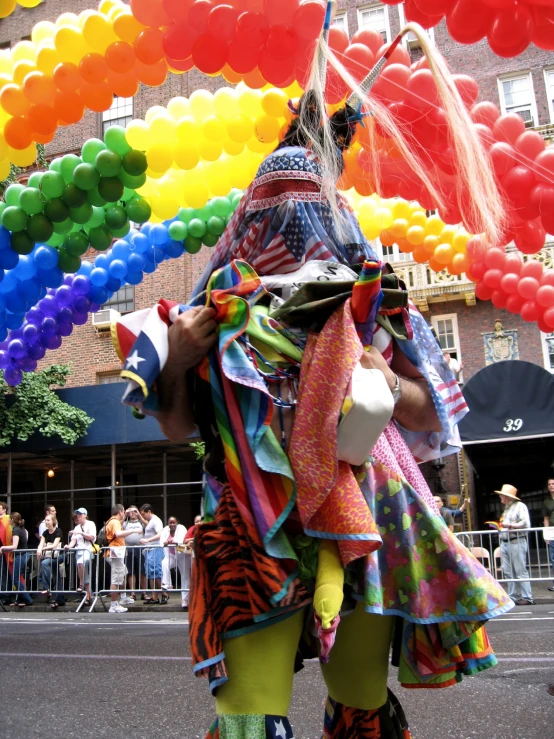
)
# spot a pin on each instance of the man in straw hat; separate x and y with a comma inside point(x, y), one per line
point(514, 546)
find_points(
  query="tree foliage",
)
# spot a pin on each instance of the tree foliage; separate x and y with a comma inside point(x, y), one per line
point(34, 406)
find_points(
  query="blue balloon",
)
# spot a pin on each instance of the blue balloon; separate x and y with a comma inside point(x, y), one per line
point(48, 305)
point(3, 317)
point(2, 302)
point(30, 290)
point(113, 284)
point(149, 267)
point(16, 303)
point(174, 249)
point(49, 326)
point(14, 320)
point(50, 277)
point(27, 364)
point(85, 268)
point(17, 349)
point(146, 228)
point(52, 341)
point(65, 329)
point(99, 277)
point(9, 283)
point(64, 315)
point(12, 375)
point(65, 294)
point(46, 257)
point(158, 234)
point(155, 254)
point(35, 316)
point(8, 258)
point(133, 278)
point(135, 262)
point(121, 250)
point(25, 268)
point(3, 334)
point(118, 269)
point(81, 284)
point(5, 242)
point(140, 242)
point(98, 294)
point(1, 275)
point(102, 262)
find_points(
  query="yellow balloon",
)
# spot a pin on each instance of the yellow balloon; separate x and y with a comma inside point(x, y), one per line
point(29, 3)
point(24, 51)
point(209, 150)
point(4, 164)
point(383, 217)
point(105, 6)
point(250, 102)
point(240, 128)
point(6, 8)
point(70, 20)
point(459, 242)
point(416, 235)
point(401, 209)
point(47, 58)
point(154, 175)
point(266, 128)
point(399, 228)
point(418, 218)
point(159, 157)
point(259, 147)
point(3, 148)
point(23, 157)
point(70, 44)
point(196, 193)
point(43, 31)
point(138, 135)
point(178, 107)
point(242, 171)
point(154, 111)
point(218, 177)
point(98, 32)
point(274, 102)
point(162, 129)
point(448, 233)
point(233, 148)
point(21, 70)
point(201, 104)
point(6, 62)
point(434, 226)
point(164, 208)
point(214, 128)
point(188, 130)
point(185, 155)
point(226, 102)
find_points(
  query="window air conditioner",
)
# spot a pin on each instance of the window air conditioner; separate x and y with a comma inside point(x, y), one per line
point(103, 319)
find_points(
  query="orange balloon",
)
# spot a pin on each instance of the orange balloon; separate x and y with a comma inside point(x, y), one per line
point(120, 57)
point(460, 263)
point(18, 133)
point(387, 238)
point(43, 119)
point(254, 80)
point(230, 75)
point(97, 97)
point(399, 227)
point(127, 27)
point(404, 246)
point(13, 100)
point(123, 85)
point(42, 138)
point(416, 235)
point(69, 107)
point(420, 254)
point(152, 75)
point(39, 88)
point(149, 47)
point(93, 68)
point(444, 253)
point(430, 244)
point(67, 77)
point(435, 266)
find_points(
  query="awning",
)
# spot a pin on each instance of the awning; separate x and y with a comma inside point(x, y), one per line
point(507, 401)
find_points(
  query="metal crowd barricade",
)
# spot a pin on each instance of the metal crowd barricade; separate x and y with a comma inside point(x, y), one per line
point(56, 574)
point(508, 551)
point(146, 569)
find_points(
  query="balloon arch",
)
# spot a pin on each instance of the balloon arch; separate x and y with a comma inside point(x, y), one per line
point(180, 172)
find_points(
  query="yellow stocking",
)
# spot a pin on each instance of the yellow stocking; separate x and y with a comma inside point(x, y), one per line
point(261, 669)
point(356, 674)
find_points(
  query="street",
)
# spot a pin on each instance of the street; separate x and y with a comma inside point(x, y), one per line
point(98, 675)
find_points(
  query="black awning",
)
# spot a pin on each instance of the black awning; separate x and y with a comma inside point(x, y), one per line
point(508, 400)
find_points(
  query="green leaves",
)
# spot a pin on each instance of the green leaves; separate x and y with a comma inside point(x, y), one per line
point(35, 407)
point(199, 448)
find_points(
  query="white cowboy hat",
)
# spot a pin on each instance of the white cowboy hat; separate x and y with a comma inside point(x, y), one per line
point(509, 491)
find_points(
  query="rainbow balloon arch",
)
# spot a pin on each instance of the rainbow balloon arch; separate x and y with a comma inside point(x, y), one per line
point(179, 173)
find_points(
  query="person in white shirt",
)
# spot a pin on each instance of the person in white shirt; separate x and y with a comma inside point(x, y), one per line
point(514, 545)
point(82, 539)
point(134, 524)
point(153, 555)
point(173, 542)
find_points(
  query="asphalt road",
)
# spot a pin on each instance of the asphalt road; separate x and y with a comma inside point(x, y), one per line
point(64, 676)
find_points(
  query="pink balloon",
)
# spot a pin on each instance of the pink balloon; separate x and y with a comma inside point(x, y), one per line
point(486, 113)
point(467, 87)
point(513, 264)
point(509, 283)
point(548, 277)
point(530, 144)
point(528, 287)
point(492, 278)
point(545, 296)
point(495, 258)
point(532, 268)
point(509, 128)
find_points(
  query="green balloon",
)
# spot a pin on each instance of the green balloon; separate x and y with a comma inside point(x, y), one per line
point(55, 240)
point(94, 198)
point(205, 212)
point(178, 231)
point(14, 218)
point(111, 189)
point(138, 210)
point(91, 149)
point(34, 179)
point(76, 243)
point(221, 207)
point(3, 207)
point(56, 210)
point(73, 195)
point(13, 193)
point(69, 163)
point(235, 201)
point(52, 184)
point(56, 165)
point(192, 244)
point(68, 262)
point(97, 217)
point(31, 201)
point(22, 243)
point(85, 176)
point(108, 163)
point(115, 217)
point(115, 139)
point(82, 214)
point(197, 228)
point(215, 225)
point(210, 239)
point(186, 215)
point(134, 162)
point(133, 183)
point(100, 237)
point(40, 228)
point(128, 194)
point(119, 233)
point(64, 227)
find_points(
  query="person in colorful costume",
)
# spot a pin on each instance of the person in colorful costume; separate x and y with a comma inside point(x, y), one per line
point(300, 552)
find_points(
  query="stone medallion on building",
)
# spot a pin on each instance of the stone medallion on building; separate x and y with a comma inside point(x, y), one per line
point(500, 344)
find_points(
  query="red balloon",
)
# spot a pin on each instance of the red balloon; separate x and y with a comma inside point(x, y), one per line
point(242, 59)
point(482, 291)
point(421, 90)
point(276, 71)
point(542, 32)
point(398, 56)
point(413, 13)
point(485, 113)
point(511, 30)
point(338, 39)
point(532, 268)
point(222, 21)
point(282, 42)
point(499, 299)
point(492, 278)
point(548, 277)
point(547, 220)
point(527, 287)
point(509, 128)
point(280, 12)
point(303, 63)
point(252, 29)
point(199, 13)
point(543, 197)
point(179, 40)
point(514, 303)
point(544, 166)
point(308, 19)
point(518, 184)
point(530, 311)
point(467, 87)
point(177, 9)
point(432, 7)
point(209, 54)
point(469, 21)
point(358, 60)
point(495, 258)
point(530, 144)
point(368, 37)
point(548, 319)
point(509, 283)
point(485, 134)
point(512, 264)
point(530, 237)
point(545, 296)
point(478, 269)
point(503, 158)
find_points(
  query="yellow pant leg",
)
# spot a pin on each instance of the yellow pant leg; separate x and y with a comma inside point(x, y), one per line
point(261, 669)
point(356, 674)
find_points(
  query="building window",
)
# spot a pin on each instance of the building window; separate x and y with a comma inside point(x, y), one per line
point(120, 113)
point(548, 350)
point(549, 81)
point(410, 39)
point(123, 301)
point(341, 21)
point(518, 96)
point(375, 16)
point(393, 254)
point(446, 328)
point(108, 378)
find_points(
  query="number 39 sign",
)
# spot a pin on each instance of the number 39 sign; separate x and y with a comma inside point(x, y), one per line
point(513, 424)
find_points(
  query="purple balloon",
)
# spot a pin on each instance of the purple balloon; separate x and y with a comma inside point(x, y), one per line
point(95, 307)
point(81, 285)
point(34, 315)
point(5, 359)
point(52, 341)
point(27, 364)
point(37, 351)
point(65, 295)
point(81, 304)
point(68, 280)
point(79, 319)
point(65, 329)
point(64, 315)
point(12, 375)
point(31, 333)
point(17, 349)
point(49, 326)
point(49, 305)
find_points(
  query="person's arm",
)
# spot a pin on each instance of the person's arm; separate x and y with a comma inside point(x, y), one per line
point(72, 544)
point(190, 338)
point(10, 547)
point(523, 521)
point(415, 410)
point(41, 545)
point(546, 521)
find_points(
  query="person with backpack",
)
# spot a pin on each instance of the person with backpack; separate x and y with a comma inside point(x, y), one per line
point(115, 555)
